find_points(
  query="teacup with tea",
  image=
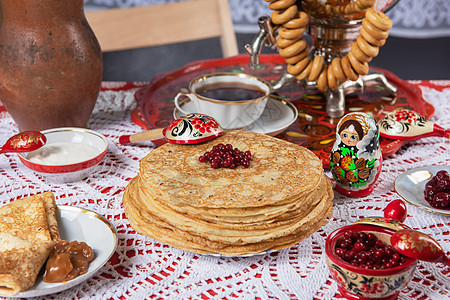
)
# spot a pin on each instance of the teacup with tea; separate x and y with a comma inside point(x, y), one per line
point(235, 100)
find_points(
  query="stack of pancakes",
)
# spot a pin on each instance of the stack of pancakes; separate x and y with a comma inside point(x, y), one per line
point(282, 198)
point(28, 232)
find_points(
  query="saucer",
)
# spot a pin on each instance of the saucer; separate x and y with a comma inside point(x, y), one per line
point(82, 225)
point(278, 115)
point(410, 185)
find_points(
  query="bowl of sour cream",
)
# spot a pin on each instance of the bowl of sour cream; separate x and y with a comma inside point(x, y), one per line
point(70, 154)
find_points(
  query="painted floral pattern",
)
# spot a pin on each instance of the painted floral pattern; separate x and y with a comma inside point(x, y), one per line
point(402, 122)
point(369, 286)
point(419, 245)
point(26, 138)
point(193, 127)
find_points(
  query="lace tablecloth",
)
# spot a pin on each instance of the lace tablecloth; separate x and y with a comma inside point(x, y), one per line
point(142, 268)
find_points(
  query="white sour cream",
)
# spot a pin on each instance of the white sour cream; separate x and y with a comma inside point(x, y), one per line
point(62, 154)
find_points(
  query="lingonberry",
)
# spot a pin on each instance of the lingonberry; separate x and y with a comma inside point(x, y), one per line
point(365, 250)
point(225, 156)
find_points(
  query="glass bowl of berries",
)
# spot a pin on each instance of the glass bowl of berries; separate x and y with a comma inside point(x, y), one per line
point(365, 265)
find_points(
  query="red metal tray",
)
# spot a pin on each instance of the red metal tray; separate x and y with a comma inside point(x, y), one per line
point(313, 129)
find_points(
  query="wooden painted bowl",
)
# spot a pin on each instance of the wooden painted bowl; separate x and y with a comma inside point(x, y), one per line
point(359, 283)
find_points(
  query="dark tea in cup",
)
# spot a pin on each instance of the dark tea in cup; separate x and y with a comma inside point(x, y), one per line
point(230, 91)
point(235, 100)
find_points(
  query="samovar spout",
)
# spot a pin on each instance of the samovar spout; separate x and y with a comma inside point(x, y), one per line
point(264, 36)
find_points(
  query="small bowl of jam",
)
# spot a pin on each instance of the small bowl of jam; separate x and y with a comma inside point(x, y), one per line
point(365, 265)
point(69, 155)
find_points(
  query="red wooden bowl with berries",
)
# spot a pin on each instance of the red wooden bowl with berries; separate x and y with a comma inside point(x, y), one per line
point(365, 265)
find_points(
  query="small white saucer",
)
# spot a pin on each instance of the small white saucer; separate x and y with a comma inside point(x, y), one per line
point(410, 185)
point(278, 115)
point(82, 225)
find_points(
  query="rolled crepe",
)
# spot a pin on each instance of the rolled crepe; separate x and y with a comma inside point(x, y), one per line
point(20, 262)
point(28, 232)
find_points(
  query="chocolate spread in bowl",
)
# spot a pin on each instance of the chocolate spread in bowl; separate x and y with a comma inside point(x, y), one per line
point(67, 261)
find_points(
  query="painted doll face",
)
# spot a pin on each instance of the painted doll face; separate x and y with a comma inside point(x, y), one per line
point(349, 136)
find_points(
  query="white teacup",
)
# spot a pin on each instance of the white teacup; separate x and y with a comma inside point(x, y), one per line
point(235, 100)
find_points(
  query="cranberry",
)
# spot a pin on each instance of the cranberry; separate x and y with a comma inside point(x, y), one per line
point(441, 200)
point(388, 251)
point(348, 255)
point(442, 174)
point(339, 252)
point(358, 246)
point(379, 253)
point(379, 243)
point(365, 250)
point(371, 236)
point(225, 156)
point(437, 190)
point(348, 234)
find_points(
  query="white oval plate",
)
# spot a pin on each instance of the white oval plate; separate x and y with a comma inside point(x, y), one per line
point(82, 225)
point(278, 115)
point(410, 185)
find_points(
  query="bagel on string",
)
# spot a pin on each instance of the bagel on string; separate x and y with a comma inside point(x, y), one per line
point(292, 22)
point(322, 81)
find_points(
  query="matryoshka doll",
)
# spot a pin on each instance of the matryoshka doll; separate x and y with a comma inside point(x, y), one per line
point(356, 155)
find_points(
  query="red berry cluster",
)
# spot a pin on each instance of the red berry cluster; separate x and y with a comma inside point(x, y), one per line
point(437, 190)
point(410, 116)
point(224, 156)
point(205, 125)
point(365, 250)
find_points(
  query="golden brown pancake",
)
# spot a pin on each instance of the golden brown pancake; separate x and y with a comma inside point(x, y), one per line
point(28, 232)
point(48, 199)
point(282, 198)
point(20, 262)
point(278, 171)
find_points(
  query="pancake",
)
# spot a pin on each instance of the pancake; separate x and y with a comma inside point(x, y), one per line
point(283, 197)
point(20, 262)
point(260, 215)
point(26, 218)
point(279, 170)
point(28, 232)
point(238, 212)
point(219, 226)
point(48, 199)
point(142, 222)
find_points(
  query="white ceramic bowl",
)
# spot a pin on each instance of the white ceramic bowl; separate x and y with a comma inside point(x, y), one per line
point(70, 154)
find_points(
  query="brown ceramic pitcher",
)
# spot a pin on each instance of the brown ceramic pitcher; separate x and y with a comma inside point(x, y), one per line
point(50, 63)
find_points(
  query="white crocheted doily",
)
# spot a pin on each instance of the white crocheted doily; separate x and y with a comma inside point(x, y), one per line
point(143, 268)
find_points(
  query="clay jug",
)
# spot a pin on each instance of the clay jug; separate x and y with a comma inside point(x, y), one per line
point(50, 63)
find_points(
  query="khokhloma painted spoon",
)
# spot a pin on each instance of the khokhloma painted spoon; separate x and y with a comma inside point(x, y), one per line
point(192, 128)
point(418, 245)
point(24, 141)
point(403, 124)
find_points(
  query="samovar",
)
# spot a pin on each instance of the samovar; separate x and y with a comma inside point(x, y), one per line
point(330, 36)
